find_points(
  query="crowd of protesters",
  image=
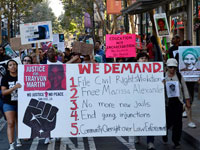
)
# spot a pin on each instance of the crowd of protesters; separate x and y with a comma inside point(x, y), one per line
point(175, 106)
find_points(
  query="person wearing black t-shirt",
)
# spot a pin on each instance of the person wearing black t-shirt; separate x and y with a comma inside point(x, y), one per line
point(9, 88)
point(176, 44)
point(3, 55)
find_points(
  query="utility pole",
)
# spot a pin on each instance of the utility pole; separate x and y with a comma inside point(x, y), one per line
point(190, 20)
point(126, 20)
point(197, 15)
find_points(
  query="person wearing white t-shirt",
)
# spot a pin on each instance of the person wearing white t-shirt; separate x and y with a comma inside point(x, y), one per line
point(51, 56)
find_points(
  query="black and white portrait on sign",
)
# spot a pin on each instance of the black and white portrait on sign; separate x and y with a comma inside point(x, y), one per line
point(172, 89)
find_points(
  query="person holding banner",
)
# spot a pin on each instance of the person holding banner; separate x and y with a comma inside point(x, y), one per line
point(143, 57)
point(9, 88)
point(174, 106)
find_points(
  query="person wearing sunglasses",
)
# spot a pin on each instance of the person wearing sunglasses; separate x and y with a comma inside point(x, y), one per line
point(27, 60)
point(174, 103)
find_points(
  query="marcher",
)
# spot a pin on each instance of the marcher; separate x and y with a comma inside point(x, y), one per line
point(156, 49)
point(99, 52)
point(9, 88)
point(190, 58)
point(143, 57)
point(3, 55)
point(51, 56)
point(27, 60)
point(174, 105)
point(176, 43)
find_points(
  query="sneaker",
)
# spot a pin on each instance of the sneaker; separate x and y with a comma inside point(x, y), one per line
point(177, 146)
point(137, 139)
point(47, 141)
point(184, 114)
point(18, 143)
point(165, 140)
point(150, 146)
point(192, 125)
point(12, 146)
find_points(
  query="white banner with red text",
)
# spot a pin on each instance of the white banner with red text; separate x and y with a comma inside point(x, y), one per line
point(91, 100)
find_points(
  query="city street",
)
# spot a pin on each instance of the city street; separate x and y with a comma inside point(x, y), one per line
point(89, 143)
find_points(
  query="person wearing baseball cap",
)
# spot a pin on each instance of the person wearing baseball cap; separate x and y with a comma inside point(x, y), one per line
point(174, 103)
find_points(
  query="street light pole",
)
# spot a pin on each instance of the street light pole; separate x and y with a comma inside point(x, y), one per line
point(126, 21)
point(197, 15)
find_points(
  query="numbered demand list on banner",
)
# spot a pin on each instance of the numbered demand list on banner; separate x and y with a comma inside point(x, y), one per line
point(93, 100)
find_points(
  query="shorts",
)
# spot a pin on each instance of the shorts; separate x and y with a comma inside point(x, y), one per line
point(8, 107)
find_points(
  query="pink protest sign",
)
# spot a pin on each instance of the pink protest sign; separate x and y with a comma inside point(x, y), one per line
point(120, 45)
point(44, 77)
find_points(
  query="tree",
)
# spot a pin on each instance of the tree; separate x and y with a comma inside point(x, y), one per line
point(42, 12)
point(13, 10)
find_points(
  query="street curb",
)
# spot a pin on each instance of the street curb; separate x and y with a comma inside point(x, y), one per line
point(191, 135)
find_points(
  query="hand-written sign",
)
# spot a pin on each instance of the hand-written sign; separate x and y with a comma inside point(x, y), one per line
point(16, 44)
point(100, 100)
point(120, 45)
point(83, 48)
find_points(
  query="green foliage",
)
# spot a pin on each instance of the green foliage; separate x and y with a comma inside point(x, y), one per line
point(42, 12)
point(73, 18)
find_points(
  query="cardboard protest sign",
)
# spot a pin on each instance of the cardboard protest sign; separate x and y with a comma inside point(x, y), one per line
point(16, 44)
point(161, 24)
point(189, 62)
point(36, 32)
point(118, 99)
point(120, 45)
point(83, 48)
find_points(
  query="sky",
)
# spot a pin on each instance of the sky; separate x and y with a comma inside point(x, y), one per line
point(56, 6)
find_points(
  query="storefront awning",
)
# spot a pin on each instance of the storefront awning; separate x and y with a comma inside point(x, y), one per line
point(141, 6)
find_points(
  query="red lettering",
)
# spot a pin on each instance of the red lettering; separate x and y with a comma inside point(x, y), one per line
point(116, 68)
point(126, 67)
point(107, 68)
point(84, 68)
point(95, 68)
point(147, 68)
point(137, 66)
point(156, 67)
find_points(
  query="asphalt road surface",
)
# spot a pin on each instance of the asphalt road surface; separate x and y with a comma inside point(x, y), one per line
point(87, 143)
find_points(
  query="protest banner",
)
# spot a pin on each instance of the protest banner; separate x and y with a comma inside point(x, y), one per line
point(120, 45)
point(36, 32)
point(82, 48)
point(189, 62)
point(161, 24)
point(95, 100)
point(16, 44)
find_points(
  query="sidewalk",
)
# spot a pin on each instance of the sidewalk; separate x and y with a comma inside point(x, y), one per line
point(192, 135)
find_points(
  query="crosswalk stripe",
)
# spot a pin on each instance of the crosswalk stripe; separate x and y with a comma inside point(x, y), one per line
point(34, 144)
point(2, 123)
point(51, 146)
point(91, 142)
point(131, 145)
